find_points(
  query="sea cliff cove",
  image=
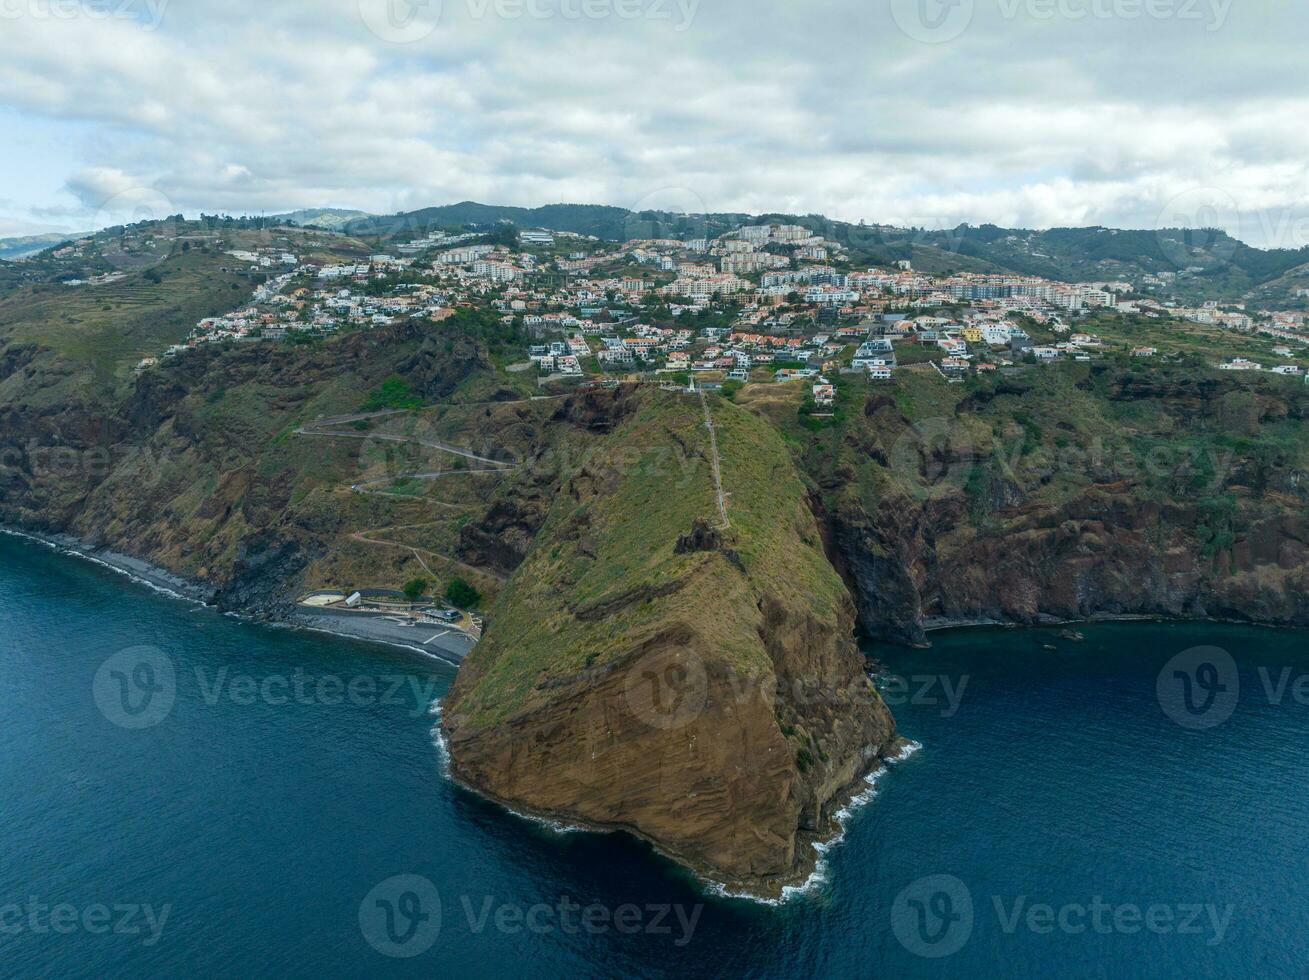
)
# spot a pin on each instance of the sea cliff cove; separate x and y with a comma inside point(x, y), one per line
point(1083, 783)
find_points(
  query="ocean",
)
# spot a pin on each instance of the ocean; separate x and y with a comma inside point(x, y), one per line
point(187, 793)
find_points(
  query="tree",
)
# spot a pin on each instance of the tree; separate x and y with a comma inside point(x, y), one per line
point(505, 234)
point(460, 593)
point(415, 588)
point(394, 393)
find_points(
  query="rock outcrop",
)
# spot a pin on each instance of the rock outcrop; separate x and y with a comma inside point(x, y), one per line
point(718, 708)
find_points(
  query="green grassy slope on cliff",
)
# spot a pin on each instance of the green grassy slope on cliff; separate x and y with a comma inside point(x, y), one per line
point(604, 574)
point(652, 670)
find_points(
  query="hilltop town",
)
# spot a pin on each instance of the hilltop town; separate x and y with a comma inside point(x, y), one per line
point(763, 303)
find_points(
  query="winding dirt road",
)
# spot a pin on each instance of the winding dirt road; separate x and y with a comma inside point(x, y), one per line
point(325, 428)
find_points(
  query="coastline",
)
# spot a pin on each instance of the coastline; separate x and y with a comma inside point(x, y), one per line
point(798, 883)
point(939, 624)
point(457, 648)
point(138, 570)
point(936, 624)
point(451, 649)
point(811, 874)
point(175, 586)
point(847, 804)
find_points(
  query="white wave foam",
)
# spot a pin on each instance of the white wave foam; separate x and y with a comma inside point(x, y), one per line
point(722, 891)
point(554, 826)
point(30, 537)
point(822, 869)
point(443, 752)
point(126, 573)
point(908, 749)
point(438, 737)
point(153, 586)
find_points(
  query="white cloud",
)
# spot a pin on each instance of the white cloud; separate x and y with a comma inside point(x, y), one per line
point(763, 105)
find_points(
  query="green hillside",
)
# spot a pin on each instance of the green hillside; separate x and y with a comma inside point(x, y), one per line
point(608, 550)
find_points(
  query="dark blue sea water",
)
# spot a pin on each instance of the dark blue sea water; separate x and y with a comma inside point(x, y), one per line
point(1058, 820)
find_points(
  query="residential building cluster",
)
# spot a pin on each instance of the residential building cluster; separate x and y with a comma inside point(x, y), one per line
point(773, 301)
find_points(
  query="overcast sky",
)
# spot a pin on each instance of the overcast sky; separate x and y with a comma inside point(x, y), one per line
point(1129, 113)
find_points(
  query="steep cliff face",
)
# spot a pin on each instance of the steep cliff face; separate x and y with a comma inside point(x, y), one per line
point(193, 465)
point(1104, 495)
point(648, 670)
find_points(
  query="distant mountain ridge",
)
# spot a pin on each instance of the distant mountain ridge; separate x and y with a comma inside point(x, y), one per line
point(1186, 263)
point(12, 249)
point(601, 221)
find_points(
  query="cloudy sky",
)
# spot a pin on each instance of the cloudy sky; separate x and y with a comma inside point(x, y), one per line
point(1130, 113)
